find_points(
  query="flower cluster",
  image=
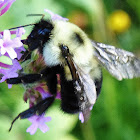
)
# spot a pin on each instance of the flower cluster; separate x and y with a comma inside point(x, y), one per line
point(11, 48)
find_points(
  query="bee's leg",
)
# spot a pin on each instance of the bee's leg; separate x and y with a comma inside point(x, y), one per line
point(51, 78)
point(39, 108)
point(47, 73)
point(51, 81)
point(29, 78)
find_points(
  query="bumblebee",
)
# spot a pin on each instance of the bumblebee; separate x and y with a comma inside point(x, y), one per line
point(69, 52)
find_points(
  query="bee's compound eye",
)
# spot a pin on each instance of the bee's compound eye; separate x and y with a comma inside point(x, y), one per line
point(65, 50)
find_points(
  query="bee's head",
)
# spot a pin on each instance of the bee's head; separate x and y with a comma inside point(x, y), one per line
point(39, 35)
point(56, 39)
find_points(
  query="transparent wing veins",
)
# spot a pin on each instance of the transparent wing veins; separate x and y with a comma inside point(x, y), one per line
point(120, 63)
point(89, 85)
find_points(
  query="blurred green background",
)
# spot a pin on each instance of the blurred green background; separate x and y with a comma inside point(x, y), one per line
point(116, 114)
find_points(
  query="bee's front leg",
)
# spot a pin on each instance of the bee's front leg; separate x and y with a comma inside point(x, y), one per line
point(29, 78)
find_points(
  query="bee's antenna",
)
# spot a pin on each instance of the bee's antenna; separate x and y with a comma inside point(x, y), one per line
point(36, 15)
point(22, 26)
point(29, 24)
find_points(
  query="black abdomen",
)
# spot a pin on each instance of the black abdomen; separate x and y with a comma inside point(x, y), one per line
point(69, 101)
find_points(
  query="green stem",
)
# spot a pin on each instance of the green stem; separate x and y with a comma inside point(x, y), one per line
point(87, 131)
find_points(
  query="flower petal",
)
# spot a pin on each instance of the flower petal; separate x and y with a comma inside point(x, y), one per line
point(18, 51)
point(43, 93)
point(5, 65)
point(20, 32)
point(81, 117)
point(47, 119)
point(6, 8)
point(9, 85)
point(43, 127)
point(39, 122)
point(55, 16)
point(2, 3)
point(6, 35)
point(1, 36)
point(33, 118)
point(3, 79)
point(16, 66)
point(17, 43)
point(58, 96)
point(32, 129)
point(11, 52)
point(3, 51)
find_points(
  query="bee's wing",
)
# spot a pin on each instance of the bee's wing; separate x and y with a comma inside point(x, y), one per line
point(87, 83)
point(120, 63)
point(85, 89)
point(88, 92)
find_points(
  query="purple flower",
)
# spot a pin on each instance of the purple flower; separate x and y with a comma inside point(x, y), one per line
point(4, 65)
point(43, 93)
point(5, 5)
point(55, 16)
point(18, 51)
point(19, 32)
point(1, 1)
point(7, 45)
point(11, 72)
point(38, 122)
point(58, 96)
point(1, 36)
point(81, 117)
point(46, 94)
point(12, 32)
